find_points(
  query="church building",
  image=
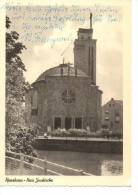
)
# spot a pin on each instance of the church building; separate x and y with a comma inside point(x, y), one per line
point(67, 96)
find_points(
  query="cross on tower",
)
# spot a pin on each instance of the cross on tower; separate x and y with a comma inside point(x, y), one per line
point(90, 20)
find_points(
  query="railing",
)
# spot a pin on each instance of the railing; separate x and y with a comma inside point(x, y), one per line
point(20, 164)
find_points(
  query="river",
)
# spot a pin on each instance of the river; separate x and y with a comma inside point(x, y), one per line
point(94, 163)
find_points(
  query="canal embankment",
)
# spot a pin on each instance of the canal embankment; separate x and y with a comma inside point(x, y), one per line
point(80, 144)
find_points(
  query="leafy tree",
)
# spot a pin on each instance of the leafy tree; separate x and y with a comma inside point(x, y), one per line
point(16, 85)
point(18, 137)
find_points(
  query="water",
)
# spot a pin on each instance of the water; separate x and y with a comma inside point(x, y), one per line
point(94, 163)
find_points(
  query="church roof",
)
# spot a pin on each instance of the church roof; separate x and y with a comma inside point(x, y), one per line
point(62, 70)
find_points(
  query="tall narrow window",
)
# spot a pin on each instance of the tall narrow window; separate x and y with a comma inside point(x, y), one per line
point(34, 103)
point(78, 123)
point(117, 118)
point(57, 123)
point(68, 123)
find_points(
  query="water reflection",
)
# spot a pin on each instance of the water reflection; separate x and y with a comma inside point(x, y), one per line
point(95, 163)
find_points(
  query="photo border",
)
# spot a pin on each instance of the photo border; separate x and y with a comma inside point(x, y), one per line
point(127, 110)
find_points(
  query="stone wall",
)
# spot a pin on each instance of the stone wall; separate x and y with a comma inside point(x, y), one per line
point(87, 102)
point(85, 57)
point(79, 145)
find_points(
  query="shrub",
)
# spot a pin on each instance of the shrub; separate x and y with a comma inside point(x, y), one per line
point(84, 133)
point(21, 141)
point(59, 132)
point(78, 132)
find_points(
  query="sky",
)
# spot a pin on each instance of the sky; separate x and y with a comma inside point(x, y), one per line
point(49, 34)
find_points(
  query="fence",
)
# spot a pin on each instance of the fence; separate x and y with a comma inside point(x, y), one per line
point(20, 164)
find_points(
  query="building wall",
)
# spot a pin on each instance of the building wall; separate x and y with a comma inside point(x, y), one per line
point(85, 57)
point(112, 115)
point(87, 102)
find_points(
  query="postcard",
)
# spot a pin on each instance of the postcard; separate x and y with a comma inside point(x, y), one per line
point(65, 93)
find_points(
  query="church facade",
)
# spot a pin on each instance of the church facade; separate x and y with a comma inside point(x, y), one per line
point(67, 96)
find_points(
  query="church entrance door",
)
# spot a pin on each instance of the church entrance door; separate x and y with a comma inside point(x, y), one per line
point(68, 122)
point(78, 123)
point(57, 123)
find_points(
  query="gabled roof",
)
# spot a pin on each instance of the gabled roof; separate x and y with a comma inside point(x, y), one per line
point(120, 102)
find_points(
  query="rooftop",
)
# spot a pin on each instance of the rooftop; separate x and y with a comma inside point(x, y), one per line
point(61, 70)
point(84, 30)
point(112, 100)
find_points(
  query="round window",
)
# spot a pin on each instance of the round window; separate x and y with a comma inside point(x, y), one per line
point(68, 96)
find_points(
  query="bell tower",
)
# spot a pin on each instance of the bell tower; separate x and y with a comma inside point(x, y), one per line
point(85, 52)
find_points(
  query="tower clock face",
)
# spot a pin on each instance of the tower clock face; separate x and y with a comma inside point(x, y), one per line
point(68, 96)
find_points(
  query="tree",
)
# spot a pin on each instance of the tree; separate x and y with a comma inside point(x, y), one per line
point(16, 85)
point(18, 137)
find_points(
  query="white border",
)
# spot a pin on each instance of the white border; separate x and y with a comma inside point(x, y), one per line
point(134, 96)
point(105, 190)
